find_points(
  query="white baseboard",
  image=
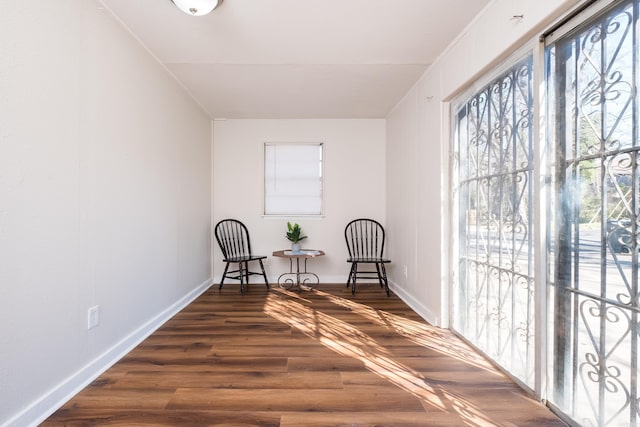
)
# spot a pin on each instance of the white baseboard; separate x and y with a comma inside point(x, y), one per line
point(47, 404)
point(416, 305)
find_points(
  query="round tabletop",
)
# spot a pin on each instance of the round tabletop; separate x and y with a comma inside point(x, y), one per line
point(303, 253)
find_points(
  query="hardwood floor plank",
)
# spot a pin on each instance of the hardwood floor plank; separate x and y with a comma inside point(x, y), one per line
point(109, 417)
point(408, 419)
point(309, 359)
point(283, 400)
point(236, 380)
point(109, 398)
point(207, 329)
point(283, 350)
point(442, 378)
point(205, 364)
point(325, 364)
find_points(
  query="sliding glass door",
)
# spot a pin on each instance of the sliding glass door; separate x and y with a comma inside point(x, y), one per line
point(592, 76)
point(588, 365)
point(493, 305)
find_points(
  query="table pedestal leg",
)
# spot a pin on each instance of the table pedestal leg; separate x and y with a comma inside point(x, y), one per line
point(301, 280)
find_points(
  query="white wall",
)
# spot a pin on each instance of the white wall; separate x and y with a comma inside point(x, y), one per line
point(354, 186)
point(104, 199)
point(418, 141)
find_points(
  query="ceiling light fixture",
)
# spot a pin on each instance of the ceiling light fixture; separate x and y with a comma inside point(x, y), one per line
point(197, 7)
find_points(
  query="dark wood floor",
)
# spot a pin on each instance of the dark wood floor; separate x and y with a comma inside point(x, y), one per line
point(320, 358)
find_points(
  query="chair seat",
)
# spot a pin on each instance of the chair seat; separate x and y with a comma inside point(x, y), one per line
point(368, 260)
point(244, 258)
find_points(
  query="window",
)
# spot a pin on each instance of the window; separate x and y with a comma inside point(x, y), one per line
point(493, 289)
point(293, 179)
point(594, 278)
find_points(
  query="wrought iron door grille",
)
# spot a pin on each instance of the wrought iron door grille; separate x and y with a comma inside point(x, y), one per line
point(592, 75)
point(493, 290)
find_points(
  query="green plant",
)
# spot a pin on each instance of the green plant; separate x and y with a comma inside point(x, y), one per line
point(294, 233)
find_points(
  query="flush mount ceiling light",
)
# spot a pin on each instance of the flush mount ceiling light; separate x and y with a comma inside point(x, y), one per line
point(197, 7)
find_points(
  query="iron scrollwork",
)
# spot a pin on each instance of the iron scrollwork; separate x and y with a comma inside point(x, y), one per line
point(495, 292)
point(596, 372)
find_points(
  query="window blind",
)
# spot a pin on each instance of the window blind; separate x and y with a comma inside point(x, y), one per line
point(293, 178)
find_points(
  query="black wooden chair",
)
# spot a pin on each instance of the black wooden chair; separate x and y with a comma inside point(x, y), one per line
point(365, 242)
point(233, 239)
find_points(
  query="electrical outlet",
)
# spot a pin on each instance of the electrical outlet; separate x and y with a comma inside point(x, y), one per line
point(405, 271)
point(93, 317)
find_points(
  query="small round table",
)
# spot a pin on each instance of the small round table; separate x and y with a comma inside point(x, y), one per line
point(302, 280)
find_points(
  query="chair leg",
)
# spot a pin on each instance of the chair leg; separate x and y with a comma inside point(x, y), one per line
point(246, 273)
point(378, 265)
point(224, 275)
point(384, 278)
point(350, 274)
point(353, 278)
point(266, 282)
point(241, 272)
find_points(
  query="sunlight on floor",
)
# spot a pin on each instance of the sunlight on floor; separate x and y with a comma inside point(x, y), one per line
point(420, 333)
point(347, 340)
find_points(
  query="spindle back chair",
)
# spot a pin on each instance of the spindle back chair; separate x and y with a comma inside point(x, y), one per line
point(365, 242)
point(233, 239)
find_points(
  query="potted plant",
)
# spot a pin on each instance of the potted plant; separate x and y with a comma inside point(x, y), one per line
point(294, 234)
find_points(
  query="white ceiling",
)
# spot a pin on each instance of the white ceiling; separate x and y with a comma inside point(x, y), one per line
point(298, 58)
